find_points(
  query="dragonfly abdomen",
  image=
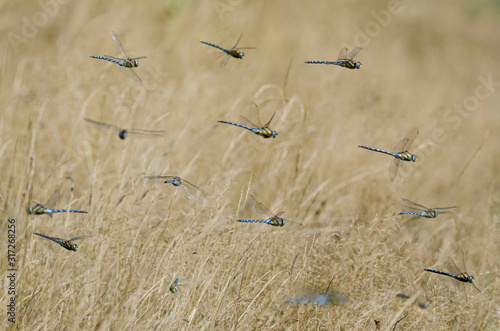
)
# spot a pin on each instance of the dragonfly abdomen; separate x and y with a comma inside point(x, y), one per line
point(377, 150)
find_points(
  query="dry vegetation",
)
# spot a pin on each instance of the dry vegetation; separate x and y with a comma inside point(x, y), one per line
point(427, 59)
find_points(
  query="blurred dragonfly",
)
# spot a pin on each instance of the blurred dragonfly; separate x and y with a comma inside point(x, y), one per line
point(321, 299)
point(233, 52)
point(401, 152)
point(39, 209)
point(126, 63)
point(263, 130)
point(190, 190)
point(275, 220)
point(123, 133)
point(420, 210)
point(344, 60)
point(422, 304)
point(66, 243)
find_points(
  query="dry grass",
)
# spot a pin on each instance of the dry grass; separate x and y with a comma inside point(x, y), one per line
point(237, 276)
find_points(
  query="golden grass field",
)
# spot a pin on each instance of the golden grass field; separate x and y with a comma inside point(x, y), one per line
point(425, 65)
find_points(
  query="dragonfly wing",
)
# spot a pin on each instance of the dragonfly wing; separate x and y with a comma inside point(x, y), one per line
point(259, 207)
point(139, 132)
point(118, 44)
point(342, 54)
point(393, 168)
point(414, 205)
point(186, 191)
point(353, 53)
point(130, 73)
point(224, 61)
point(235, 45)
point(81, 237)
point(269, 122)
point(52, 200)
point(103, 126)
point(201, 196)
point(247, 122)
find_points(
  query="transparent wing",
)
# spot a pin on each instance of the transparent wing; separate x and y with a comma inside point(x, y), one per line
point(353, 53)
point(51, 203)
point(393, 168)
point(444, 208)
point(130, 73)
point(103, 126)
point(259, 207)
point(342, 54)
point(139, 132)
point(194, 191)
point(414, 205)
point(406, 142)
point(269, 122)
point(235, 45)
point(224, 60)
point(247, 122)
point(118, 44)
point(81, 237)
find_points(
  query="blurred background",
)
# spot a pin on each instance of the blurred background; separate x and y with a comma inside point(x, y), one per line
point(431, 65)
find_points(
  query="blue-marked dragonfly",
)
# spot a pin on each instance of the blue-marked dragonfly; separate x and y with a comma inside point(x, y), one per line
point(263, 130)
point(233, 52)
point(66, 243)
point(190, 190)
point(126, 63)
point(321, 299)
point(463, 277)
point(400, 152)
point(344, 60)
point(39, 209)
point(124, 133)
point(423, 211)
point(174, 287)
point(275, 220)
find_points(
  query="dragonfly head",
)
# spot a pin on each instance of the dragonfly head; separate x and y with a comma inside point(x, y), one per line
point(358, 65)
point(73, 247)
point(470, 278)
point(274, 134)
point(241, 55)
point(136, 63)
point(413, 158)
point(122, 134)
point(30, 210)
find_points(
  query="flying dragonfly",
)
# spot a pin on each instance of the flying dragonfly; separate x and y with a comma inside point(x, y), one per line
point(123, 133)
point(126, 63)
point(174, 287)
point(463, 277)
point(344, 60)
point(190, 190)
point(39, 209)
point(263, 130)
point(233, 52)
point(66, 243)
point(423, 211)
point(275, 220)
point(401, 152)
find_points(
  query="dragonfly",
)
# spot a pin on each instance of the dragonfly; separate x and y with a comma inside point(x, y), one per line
point(173, 288)
point(344, 60)
point(66, 243)
point(401, 152)
point(233, 52)
point(124, 133)
point(39, 209)
point(263, 130)
point(321, 299)
point(463, 277)
point(423, 211)
point(275, 220)
point(126, 63)
point(190, 190)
